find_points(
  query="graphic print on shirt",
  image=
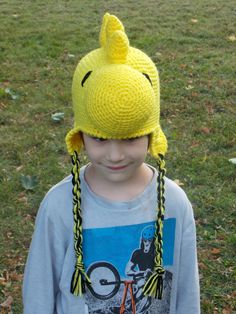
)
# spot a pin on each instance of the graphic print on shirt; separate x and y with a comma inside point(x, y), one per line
point(118, 277)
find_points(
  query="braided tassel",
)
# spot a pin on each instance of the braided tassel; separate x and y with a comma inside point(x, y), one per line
point(79, 278)
point(154, 285)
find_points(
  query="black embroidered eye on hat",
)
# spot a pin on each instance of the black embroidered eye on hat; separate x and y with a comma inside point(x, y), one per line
point(116, 95)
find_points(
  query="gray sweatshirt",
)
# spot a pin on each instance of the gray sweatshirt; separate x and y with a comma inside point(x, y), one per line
point(118, 253)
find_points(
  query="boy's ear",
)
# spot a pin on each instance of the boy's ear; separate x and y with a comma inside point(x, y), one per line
point(82, 139)
point(149, 140)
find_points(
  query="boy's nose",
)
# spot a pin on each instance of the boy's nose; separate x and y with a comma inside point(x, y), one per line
point(115, 152)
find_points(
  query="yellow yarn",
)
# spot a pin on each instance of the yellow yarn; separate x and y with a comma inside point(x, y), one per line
point(112, 94)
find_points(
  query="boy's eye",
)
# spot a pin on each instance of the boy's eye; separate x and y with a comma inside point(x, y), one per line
point(99, 139)
point(132, 139)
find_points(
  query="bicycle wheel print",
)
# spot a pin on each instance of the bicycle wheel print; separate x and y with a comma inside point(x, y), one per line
point(105, 280)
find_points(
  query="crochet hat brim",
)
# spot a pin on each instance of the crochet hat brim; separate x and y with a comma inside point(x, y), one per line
point(157, 142)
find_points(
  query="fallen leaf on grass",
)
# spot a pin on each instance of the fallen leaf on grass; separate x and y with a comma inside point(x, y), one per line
point(10, 276)
point(23, 199)
point(6, 306)
point(12, 93)
point(28, 217)
point(15, 277)
point(29, 182)
point(232, 38)
point(210, 109)
point(202, 265)
point(9, 235)
point(19, 168)
point(194, 94)
point(189, 87)
point(194, 144)
point(215, 251)
point(6, 275)
point(58, 116)
point(205, 130)
point(3, 281)
point(233, 294)
point(158, 54)
point(183, 66)
point(13, 262)
point(227, 311)
point(2, 105)
point(233, 160)
point(178, 182)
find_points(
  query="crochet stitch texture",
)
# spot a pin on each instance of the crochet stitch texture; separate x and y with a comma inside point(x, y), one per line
point(116, 92)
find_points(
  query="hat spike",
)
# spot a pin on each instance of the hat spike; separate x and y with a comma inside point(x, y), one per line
point(117, 47)
point(110, 24)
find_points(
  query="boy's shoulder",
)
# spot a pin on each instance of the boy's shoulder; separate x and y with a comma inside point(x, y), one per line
point(172, 188)
point(177, 203)
point(176, 200)
point(58, 200)
point(59, 190)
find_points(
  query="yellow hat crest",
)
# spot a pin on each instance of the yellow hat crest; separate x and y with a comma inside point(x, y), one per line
point(115, 92)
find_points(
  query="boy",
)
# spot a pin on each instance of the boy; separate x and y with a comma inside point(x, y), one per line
point(113, 261)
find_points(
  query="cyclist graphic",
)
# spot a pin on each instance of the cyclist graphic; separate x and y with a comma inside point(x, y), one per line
point(107, 284)
point(142, 258)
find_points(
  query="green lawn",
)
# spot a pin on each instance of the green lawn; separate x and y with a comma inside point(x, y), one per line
point(193, 44)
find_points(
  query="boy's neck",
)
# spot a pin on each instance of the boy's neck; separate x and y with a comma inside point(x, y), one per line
point(118, 190)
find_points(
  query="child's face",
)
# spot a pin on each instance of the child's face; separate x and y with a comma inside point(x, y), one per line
point(116, 160)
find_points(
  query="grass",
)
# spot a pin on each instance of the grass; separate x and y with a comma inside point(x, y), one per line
point(193, 44)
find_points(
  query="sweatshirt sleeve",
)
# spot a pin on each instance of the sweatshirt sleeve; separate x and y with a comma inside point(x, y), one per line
point(188, 296)
point(44, 264)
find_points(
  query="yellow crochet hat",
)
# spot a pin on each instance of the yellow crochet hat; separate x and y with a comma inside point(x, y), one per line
point(116, 93)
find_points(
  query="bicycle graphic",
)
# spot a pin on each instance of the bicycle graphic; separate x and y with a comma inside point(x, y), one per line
point(106, 283)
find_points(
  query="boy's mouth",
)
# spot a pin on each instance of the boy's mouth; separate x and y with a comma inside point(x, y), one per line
point(117, 167)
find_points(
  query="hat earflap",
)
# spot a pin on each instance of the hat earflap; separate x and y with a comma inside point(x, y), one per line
point(74, 141)
point(158, 144)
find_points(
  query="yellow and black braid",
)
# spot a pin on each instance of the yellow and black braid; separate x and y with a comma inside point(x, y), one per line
point(154, 285)
point(79, 277)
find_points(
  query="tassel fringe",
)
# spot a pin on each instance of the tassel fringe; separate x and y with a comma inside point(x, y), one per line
point(154, 285)
point(78, 281)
